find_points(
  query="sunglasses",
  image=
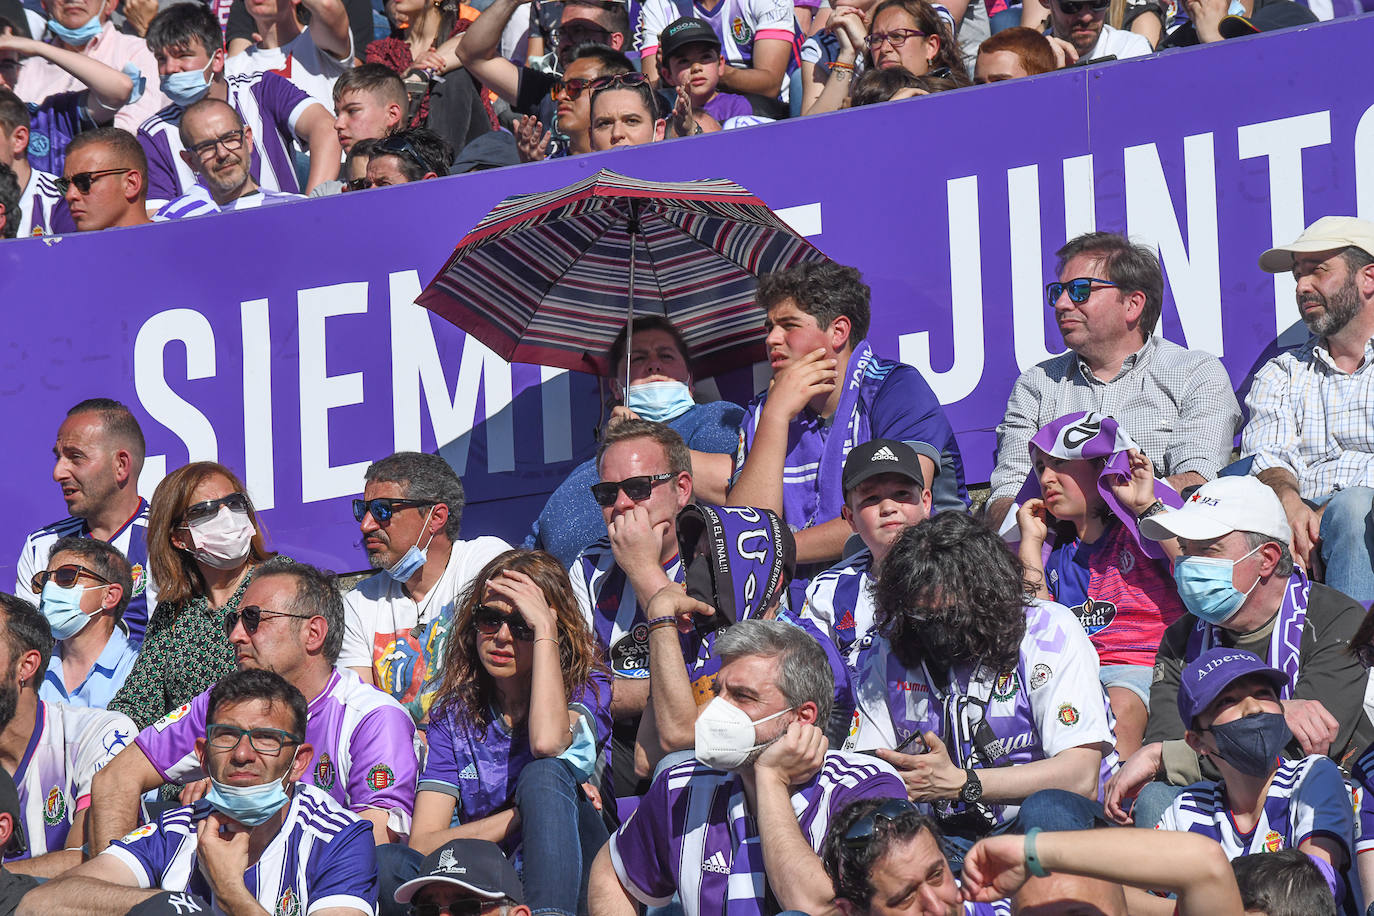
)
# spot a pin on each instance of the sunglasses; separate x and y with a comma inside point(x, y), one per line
point(489, 621)
point(1074, 7)
point(382, 509)
point(231, 141)
point(400, 146)
point(617, 80)
point(1079, 289)
point(65, 576)
point(252, 616)
point(356, 184)
point(896, 38)
point(457, 908)
point(199, 512)
point(637, 488)
point(84, 180)
point(569, 89)
point(862, 831)
point(266, 741)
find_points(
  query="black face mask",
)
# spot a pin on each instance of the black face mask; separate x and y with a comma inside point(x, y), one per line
point(1253, 743)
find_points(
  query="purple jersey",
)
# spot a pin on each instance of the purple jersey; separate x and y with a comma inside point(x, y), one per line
point(479, 768)
point(267, 102)
point(1362, 780)
point(839, 603)
point(53, 123)
point(323, 857)
point(613, 612)
point(693, 833)
point(364, 745)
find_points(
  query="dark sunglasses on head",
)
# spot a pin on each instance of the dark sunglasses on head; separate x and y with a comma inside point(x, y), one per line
point(252, 616)
point(1074, 7)
point(616, 80)
point(65, 576)
point(1079, 289)
point(198, 512)
point(381, 509)
point(84, 180)
point(457, 908)
point(489, 621)
point(862, 831)
point(637, 488)
point(231, 141)
point(400, 146)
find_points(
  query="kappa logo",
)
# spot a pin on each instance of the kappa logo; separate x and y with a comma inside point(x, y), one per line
point(716, 863)
point(1082, 432)
point(469, 772)
point(54, 807)
point(1273, 841)
point(448, 863)
point(884, 454)
point(1068, 714)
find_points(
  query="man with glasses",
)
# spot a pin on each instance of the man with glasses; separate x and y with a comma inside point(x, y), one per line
point(737, 829)
point(98, 456)
point(218, 149)
point(1080, 24)
point(464, 878)
point(105, 180)
point(290, 622)
point(84, 593)
point(51, 749)
point(646, 480)
point(1177, 403)
point(261, 839)
point(397, 622)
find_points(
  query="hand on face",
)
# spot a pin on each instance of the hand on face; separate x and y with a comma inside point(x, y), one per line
point(521, 592)
point(803, 380)
point(636, 539)
point(796, 756)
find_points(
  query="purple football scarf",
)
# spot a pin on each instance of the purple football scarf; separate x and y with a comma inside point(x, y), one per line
point(1285, 642)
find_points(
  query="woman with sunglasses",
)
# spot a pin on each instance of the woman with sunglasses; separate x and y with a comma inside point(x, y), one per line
point(204, 541)
point(522, 716)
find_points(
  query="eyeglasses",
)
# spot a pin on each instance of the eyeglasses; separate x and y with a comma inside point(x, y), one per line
point(357, 184)
point(400, 146)
point(489, 621)
point(199, 512)
point(230, 141)
point(896, 38)
point(84, 180)
point(1074, 7)
point(457, 908)
point(637, 488)
point(65, 576)
point(1364, 653)
point(617, 80)
point(252, 616)
point(569, 89)
point(1079, 289)
point(381, 509)
point(862, 831)
point(266, 741)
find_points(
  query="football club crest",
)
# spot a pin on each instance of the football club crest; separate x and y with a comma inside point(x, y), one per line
point(140, 580)
point(380, 777)
point(1006, 686)
point(740, 31)
point(288, 904)
point(1273, 841)
point(1068, 714)
point(324, 773)
point(54, 807)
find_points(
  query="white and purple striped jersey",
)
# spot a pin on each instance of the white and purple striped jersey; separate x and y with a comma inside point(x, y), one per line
point(1306, 798)
point(131, 540)
point(1362, 781)
point(364, 746)
point(266, 102)
point(839, 602)
point(54, 776)
point(198, 202)
point(323, 857)
point(614, 613)
point(301, 61)
point(694, 835)
point(42, 207)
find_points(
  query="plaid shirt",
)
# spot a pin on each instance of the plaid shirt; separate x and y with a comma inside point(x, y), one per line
point(1177, 403)
point(1313, 420)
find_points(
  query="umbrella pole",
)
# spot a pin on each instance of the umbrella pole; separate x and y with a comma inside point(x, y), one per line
point(632, 227)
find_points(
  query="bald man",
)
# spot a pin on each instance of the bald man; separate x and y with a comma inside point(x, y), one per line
point(1069, 895)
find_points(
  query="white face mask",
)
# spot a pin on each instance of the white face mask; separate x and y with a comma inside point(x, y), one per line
point(223, 540)
point(725, 735)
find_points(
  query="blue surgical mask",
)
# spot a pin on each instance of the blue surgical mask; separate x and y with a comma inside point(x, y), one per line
point(411, 561)
point(249, 805)
point(62, 607)
point(1252, 744)
point(78, 37)
point(187, 86)
point(1204, 584)
point(660, 402)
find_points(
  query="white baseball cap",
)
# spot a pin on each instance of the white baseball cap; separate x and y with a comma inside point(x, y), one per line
point(1326, 234)
point(1217, 508)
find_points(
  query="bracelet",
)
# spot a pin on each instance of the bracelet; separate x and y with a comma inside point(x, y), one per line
point(698, 129)
point(657, 622)
point(1032, 860)
point(1154, 508)
point(841, 65)
point(547, 639)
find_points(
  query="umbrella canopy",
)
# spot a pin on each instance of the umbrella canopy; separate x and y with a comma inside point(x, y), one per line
point(546, 278)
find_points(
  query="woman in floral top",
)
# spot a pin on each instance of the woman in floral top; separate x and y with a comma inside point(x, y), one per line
point(203, 542)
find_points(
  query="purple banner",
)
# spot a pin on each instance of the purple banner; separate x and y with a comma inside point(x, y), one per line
point(284, 341)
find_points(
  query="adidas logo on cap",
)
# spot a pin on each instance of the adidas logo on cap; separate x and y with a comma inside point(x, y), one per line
point(716, 863)
point(884, 454)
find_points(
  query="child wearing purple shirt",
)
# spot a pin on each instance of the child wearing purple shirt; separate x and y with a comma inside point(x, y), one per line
point(689, 54)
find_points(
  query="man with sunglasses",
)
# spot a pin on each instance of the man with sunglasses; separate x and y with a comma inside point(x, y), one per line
point(290, 622)
point(1177, 403)
point(105, 180)
point(98, 456)
point(51, 749)
point(465, 878)
point(218, 149)
point(398, 621)
point(414, 154)
point(1081, 23)
point(261, 840)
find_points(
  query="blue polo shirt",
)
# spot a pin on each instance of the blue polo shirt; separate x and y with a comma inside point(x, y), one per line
point(101, 684)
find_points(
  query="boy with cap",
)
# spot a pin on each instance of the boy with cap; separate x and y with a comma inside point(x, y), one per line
point(467, 872)
point(689, 55)
point(885, 492)
point(1243, 591)
point(1229, 700)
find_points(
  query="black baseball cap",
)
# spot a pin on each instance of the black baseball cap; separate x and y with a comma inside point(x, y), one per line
point(1267, 18)
point(683, 32)
point(478, 866)
point(171, 903)
point(886, 456)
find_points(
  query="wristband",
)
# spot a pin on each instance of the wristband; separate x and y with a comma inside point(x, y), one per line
point(1154, 508)
point(552, 639)
point(841, 65)
point(669, 621)
point(1032, 860)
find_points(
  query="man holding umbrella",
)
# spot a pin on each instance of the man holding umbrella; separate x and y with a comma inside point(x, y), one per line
point(830, 392)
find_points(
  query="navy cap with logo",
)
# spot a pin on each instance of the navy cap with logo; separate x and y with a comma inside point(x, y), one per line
point(685, 31)
point(478, 866)
point(172, 903)
point(886, 456)
point(1212, 672)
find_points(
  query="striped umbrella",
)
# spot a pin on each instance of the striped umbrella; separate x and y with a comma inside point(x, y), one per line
point(552, 278)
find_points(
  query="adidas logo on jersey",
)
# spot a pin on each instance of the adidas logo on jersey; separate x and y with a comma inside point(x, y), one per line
point(884, 454)
point(716, 863)
point(469, 772)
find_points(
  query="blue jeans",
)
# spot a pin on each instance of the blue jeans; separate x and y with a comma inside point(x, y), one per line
point(396, 864)
point(1048, 809)
point(1348, 542)
point(553, 810)
point(1154, 799)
